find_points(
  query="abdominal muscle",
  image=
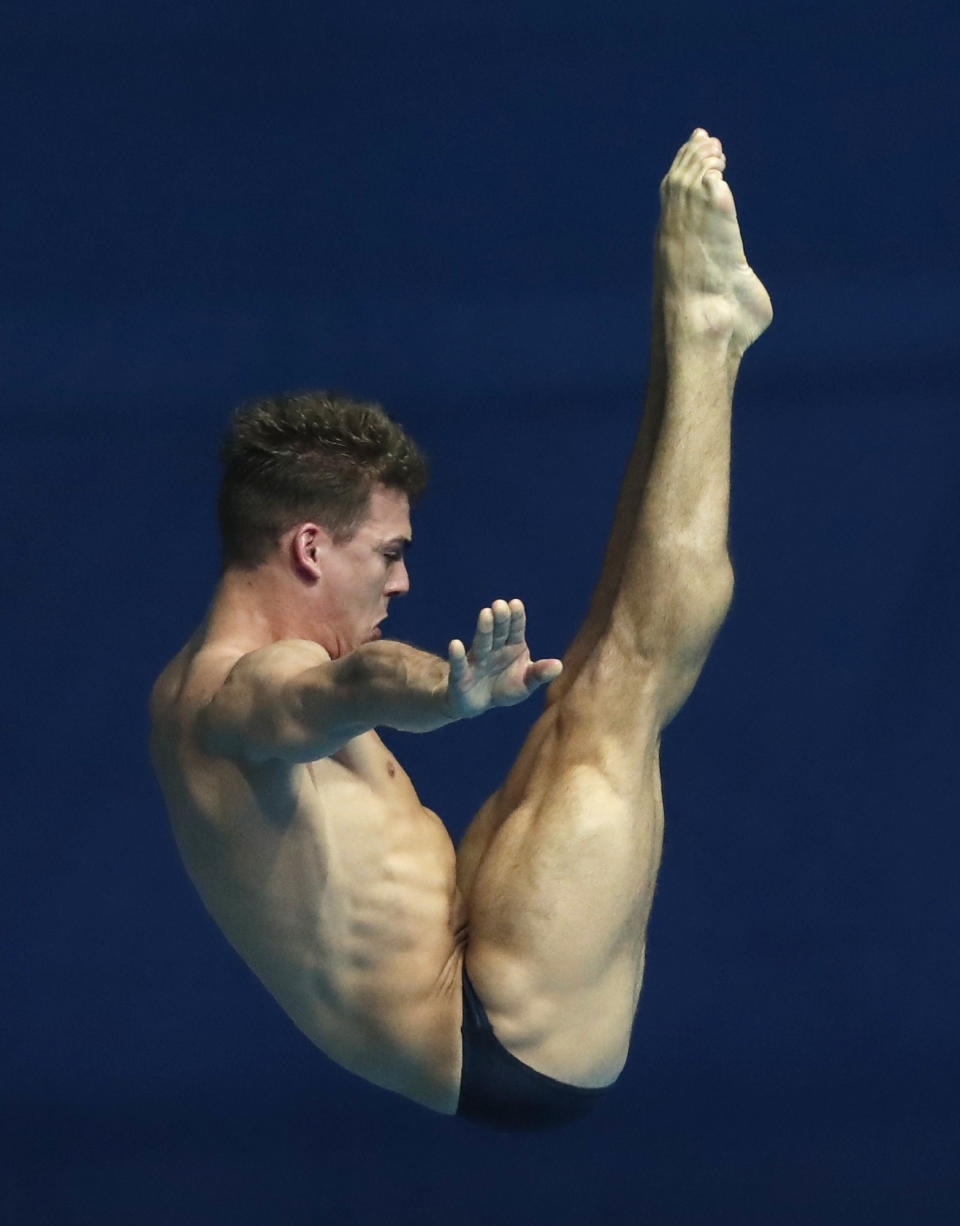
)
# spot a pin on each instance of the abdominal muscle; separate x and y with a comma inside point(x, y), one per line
point(338, 888)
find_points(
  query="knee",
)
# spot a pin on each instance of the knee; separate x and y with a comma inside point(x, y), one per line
point(682, 608)
point(710, 604)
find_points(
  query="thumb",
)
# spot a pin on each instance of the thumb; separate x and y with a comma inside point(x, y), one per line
point(542, 672)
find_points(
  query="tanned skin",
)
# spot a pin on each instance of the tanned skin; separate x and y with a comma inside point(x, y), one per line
point(305, 837)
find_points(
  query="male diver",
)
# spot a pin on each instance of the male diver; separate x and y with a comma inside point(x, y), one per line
point(497, 982)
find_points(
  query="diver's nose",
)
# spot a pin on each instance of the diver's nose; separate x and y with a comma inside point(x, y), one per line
point(399, 581)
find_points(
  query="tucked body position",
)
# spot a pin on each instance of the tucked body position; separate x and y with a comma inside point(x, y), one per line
point(497, 981)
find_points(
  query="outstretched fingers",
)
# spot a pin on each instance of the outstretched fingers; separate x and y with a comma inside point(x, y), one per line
point(457, 659)
point(483, 635)
point(502, 619)
point(497, 671)
point(502, 624)
point(518, 623)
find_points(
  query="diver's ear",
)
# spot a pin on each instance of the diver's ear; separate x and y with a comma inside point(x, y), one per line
point(307, 547)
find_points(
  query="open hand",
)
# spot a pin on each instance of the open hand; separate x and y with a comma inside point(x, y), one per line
point(498, 671)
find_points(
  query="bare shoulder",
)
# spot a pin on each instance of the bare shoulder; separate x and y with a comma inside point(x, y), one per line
point(197, 672)
point(278, 660)
point(249, 705)
point(169, 686)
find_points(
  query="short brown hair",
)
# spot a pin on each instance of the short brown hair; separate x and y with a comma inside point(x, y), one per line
point(307, 455)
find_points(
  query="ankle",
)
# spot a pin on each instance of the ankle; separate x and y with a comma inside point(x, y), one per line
point(706, 321)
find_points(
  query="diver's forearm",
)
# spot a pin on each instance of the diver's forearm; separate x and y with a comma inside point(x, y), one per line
point(394, 685)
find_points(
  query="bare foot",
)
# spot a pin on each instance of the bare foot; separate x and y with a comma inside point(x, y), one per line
point(707, 286)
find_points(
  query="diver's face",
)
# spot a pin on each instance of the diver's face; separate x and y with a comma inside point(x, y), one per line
point(361, 576)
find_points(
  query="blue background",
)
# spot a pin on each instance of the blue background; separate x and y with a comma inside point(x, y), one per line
point(450, 209)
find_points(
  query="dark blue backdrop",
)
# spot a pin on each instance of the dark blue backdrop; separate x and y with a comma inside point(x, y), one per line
point(450, 209)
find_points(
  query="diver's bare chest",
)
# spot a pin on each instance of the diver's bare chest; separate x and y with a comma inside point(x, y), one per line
point(368, 759)
point(339, 833)
point(363, 784)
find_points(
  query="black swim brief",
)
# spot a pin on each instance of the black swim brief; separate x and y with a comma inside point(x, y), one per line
point(501, 1091)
